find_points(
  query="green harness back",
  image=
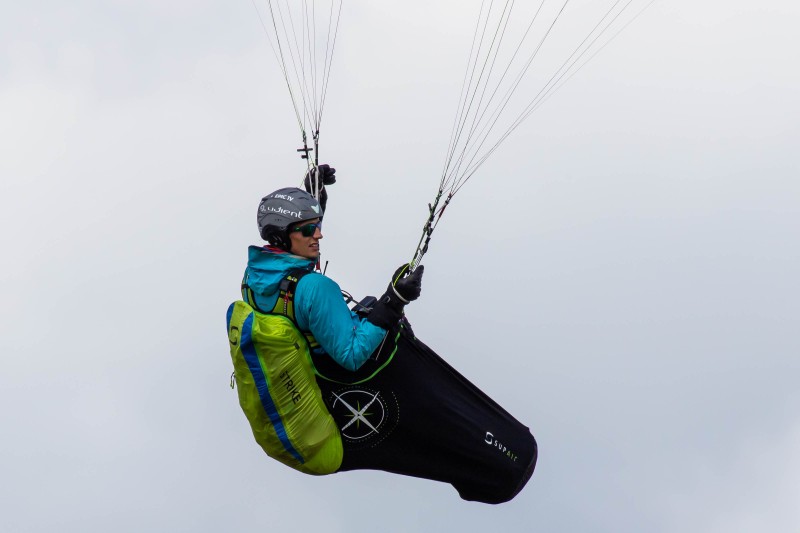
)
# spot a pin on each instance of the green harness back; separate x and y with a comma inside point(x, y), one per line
point(276, 383)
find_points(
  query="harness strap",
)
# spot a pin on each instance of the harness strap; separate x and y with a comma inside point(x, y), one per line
point(285, 302)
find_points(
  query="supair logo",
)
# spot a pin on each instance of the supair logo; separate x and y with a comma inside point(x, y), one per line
point(365, 411)
point(492, 441)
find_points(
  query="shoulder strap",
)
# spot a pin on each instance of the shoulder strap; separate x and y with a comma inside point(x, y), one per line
point(284, 305)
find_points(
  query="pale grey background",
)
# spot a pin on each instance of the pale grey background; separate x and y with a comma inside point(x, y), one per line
point(646, 219)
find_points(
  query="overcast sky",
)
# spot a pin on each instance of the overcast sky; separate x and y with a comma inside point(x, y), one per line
point(622, 275)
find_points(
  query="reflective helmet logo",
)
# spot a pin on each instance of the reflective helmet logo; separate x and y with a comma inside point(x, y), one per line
point(282, 211)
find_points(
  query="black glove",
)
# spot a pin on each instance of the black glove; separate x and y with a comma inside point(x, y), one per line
point(316, 179)
point(388, 310)
point(408, 286)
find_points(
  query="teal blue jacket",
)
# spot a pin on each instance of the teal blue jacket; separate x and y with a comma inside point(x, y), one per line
point(318, 305)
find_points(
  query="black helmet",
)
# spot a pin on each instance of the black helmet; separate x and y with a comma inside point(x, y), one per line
point(282, 208)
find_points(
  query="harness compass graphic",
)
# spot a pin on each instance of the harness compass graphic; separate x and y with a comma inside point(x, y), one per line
point(362, 413)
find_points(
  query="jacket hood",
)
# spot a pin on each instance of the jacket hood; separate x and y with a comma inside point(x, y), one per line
point(267, 267)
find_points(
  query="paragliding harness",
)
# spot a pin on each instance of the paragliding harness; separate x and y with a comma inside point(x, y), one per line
point(276, 382)
point(319, 423)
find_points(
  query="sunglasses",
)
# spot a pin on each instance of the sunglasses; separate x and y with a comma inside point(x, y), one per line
point(308, 230)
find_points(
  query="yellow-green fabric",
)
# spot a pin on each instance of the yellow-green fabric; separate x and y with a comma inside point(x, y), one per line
point(278, 391)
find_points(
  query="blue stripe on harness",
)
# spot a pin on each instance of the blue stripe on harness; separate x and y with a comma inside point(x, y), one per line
point(251, 357)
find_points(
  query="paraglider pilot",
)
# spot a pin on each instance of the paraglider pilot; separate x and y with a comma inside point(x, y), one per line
point(290, 219)
point(323, 387)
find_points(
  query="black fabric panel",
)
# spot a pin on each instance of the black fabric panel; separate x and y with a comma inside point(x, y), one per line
point(420, 417)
